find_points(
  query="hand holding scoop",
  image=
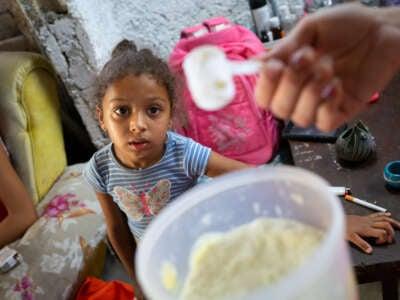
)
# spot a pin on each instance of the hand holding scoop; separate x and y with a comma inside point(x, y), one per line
point(209, 75)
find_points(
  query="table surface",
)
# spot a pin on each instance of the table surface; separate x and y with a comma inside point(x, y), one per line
point(365, 180)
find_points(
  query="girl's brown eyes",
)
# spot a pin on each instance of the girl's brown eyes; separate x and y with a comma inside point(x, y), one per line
point(154, 110)
point(151, 111)
point(121, 111)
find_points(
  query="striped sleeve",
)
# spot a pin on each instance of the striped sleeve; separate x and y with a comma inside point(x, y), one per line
point(195, 158)
point(92, 176)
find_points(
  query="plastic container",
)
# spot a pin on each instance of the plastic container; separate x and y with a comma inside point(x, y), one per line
point(239, 198)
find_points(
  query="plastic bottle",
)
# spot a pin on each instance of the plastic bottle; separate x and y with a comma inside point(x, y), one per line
point(261, 12)
point(275, 26)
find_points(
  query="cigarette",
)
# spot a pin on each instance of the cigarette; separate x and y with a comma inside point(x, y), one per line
point(364, 203)
point(339, 190)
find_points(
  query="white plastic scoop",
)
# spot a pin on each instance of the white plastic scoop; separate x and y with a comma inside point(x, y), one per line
point(209, 76)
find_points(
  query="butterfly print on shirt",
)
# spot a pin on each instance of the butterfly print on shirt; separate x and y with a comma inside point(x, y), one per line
point(138, 205)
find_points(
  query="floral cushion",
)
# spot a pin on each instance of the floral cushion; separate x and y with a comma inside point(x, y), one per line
point(62, 247)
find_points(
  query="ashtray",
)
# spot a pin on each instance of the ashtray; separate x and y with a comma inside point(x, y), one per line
point(391, 174)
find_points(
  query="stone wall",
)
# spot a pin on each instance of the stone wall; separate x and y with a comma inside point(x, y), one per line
point(78, 36)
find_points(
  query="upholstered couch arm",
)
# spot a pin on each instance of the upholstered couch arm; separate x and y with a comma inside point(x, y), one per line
point(30, 120)
point(66, 243)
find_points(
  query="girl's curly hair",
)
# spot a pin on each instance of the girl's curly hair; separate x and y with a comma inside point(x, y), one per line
point(127, 60)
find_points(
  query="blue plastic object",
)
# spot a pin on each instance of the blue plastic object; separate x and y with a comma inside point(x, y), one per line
point(391, 173)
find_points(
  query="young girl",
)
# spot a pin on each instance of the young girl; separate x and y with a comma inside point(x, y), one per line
point(145, 166)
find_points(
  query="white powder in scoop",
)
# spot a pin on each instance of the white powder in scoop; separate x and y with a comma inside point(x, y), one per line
point(209, 77)
point(248, 257)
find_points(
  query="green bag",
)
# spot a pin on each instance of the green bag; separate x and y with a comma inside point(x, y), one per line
point(355, 144)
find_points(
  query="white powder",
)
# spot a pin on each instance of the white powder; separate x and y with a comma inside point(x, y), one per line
point(248, 257)
point(209, 77)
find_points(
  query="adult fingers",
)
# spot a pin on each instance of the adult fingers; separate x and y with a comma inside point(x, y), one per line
point(291, 83)
point(380, 214)
point(380, 235)
point(387, 227)
point(305, 111)
point(329, 114)
point(268, 81)
point(394, 222)
point(386, 218)
point(360, 243)
point(302, 34)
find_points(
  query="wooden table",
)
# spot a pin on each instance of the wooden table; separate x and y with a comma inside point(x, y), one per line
point(366, 182)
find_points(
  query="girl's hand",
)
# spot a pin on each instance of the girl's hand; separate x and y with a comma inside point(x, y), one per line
point(378, 225)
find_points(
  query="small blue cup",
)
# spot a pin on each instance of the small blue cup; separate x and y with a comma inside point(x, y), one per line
point(391, 173)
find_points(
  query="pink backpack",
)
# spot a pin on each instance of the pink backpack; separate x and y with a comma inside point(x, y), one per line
point(240, 130)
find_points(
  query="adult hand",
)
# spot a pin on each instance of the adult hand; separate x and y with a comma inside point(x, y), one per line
point(379, 226)
point(327, 68)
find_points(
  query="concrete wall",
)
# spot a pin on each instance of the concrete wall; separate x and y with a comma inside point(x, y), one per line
point(78, 36)
point(154, 23)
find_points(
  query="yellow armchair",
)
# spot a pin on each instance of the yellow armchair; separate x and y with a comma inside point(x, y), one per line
point(30, 123)
point(67, 242)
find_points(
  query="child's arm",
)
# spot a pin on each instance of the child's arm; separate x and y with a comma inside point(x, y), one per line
point(120, 236)
point(17, 201)
point(218, 165)
point(118, 232)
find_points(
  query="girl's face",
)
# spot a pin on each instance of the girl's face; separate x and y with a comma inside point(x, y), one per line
point(136, 114)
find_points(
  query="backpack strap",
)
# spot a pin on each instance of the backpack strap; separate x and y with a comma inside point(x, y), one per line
point(209, 25)
point(194, 31)
point(217, 24)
